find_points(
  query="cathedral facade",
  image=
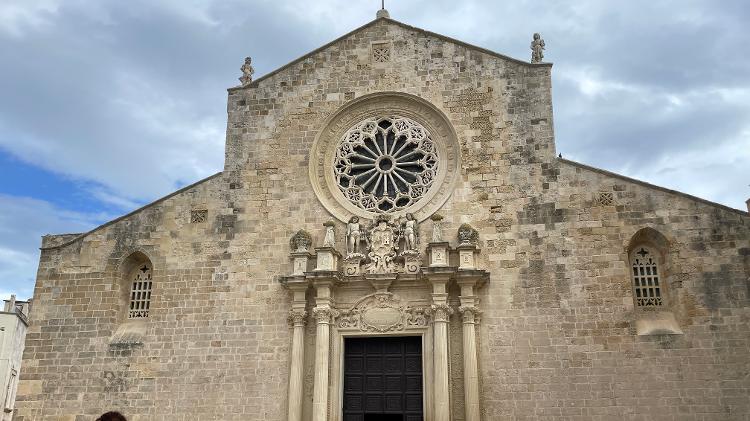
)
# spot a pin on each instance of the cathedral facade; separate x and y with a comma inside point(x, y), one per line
point(393, 237)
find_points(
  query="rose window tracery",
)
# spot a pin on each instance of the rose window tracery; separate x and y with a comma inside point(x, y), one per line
point(385, 164)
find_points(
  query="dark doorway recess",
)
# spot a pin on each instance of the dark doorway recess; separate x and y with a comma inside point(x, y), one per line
point(383, 379)
point(384, 417)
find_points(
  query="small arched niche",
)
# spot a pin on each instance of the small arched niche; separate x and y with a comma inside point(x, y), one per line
point(647, 258)
point(649, 267)
point(135, 284)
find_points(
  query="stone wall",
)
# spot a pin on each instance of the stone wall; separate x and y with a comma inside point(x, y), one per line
point(557, 337)
point(559, 317)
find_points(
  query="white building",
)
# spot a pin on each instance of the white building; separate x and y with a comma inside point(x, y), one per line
point(13, 324)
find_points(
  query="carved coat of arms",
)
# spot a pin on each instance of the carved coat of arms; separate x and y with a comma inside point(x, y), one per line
point(383, 247)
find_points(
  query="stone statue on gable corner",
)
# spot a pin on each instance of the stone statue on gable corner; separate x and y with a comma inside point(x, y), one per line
point(247, 72)
point(537, 49)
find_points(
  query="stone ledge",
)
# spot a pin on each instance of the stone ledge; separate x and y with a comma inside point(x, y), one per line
point(657, 323)
point(128, 334)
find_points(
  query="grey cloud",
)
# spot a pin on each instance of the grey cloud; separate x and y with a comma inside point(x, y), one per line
point(135, 101)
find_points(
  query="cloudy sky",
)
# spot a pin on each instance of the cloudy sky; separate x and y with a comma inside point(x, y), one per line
point(106, 105)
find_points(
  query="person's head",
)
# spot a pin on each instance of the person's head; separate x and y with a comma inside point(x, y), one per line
point(112, 416)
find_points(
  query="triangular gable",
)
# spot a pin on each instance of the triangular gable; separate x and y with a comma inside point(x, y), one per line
point(491, 53)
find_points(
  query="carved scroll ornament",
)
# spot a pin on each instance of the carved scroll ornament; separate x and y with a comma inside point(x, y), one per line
point(382, 312)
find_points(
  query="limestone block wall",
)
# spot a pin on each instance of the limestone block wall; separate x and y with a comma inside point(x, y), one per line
point(559, 336)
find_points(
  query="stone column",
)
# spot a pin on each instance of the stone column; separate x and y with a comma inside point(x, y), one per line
point(297, 285)
point(324, 314)
point(297, 318)
point(468, 280)
point(441, 313)
point(471, 370)
point(322, 351)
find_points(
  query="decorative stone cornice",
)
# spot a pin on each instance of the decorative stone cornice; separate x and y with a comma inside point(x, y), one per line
point(475, 277)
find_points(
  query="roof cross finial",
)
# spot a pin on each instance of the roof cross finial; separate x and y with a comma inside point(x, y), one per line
point(382, 13)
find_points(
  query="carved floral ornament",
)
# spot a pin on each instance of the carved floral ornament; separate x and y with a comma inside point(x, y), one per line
point(467, 234)
point(296, 317)
point(324, 314)
point(441, 312)
point(470, 313)
point(385, 153)
point(301, 241)
point(382, 312)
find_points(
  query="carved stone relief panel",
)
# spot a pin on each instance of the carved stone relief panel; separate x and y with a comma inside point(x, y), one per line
point(382, 312)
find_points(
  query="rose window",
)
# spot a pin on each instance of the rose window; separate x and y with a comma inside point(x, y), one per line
point(385, 164)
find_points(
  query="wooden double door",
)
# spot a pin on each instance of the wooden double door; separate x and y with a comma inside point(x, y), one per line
point(383, 379)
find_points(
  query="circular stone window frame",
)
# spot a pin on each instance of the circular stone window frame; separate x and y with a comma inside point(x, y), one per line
point(379, 105)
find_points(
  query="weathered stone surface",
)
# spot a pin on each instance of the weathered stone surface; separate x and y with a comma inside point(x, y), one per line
point(557, 337)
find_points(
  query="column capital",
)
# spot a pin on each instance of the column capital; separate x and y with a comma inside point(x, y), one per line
point(297, 317)
point(324, 314)
point(441, 312)
point(470, 313)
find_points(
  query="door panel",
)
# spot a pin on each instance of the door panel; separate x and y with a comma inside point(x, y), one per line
point(383, 379)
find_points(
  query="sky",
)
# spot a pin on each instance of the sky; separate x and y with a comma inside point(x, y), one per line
point(106, 105)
